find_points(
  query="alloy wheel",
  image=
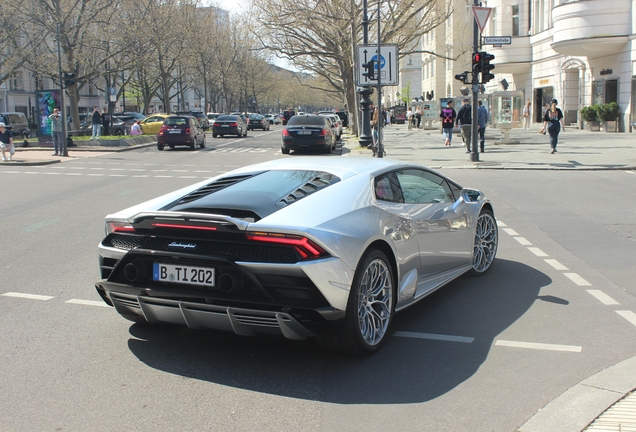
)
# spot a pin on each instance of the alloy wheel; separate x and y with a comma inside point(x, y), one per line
point(486, 240)
point(375, 302)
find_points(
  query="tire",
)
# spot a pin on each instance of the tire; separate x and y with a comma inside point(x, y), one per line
point(284, 150)
point(119, 132)
point(368, 317)
point(202, 145)
point(193, 144)
point(485, 244)
point(171, 146)
point(328, 148)
point(213, 135)
point(245, 134)
point(159, 147)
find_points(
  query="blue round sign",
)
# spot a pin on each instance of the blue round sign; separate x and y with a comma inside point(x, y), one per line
point(382, 61)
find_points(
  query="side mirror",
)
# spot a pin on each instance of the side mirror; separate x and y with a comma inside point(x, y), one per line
point(471, 195)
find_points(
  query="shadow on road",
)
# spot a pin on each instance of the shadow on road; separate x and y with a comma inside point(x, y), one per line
point(405, 371)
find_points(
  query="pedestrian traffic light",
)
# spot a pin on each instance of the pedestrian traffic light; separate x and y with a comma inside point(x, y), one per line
point(477, 63)
point(487, 67)
point(463, 77)
point(69, 79)
point(369, 70)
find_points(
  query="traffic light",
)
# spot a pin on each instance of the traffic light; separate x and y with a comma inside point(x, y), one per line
point(486, 67)
point(69, 79)
point(463, 77)
point(369, 70)
point(477, 62)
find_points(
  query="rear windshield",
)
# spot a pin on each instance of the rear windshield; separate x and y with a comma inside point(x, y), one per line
point(306, 120)
point(176, 121)
point(227, 117)
point(256, 117)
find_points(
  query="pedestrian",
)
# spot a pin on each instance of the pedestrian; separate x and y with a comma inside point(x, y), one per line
point(6, 142)
point(106, 122)
point(527, 118)
point(448, 116)
point(97, 123)
point(482, 117)
point(409, 118)
point(135, 129)
point(464, 120)
point(553, 120)
point(56, 131)
point(375, 120)
point(418, 116)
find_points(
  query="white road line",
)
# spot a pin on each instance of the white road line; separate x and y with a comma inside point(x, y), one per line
point(628, 315)
point(557, 265)
point(523, 241)
point(577, 279)
point(117, 175)
point(603, 298)
point(511, 231)
point(27, 296)
point(117, 169)
point(501, 224)
point(140, 176)
point(186, 177)
point(538, 252)
point(52, 173)
point(95, 175)
point(74, 174)
point(448, 338)
point(538, 346)
point(87, 302)
point(162, 176)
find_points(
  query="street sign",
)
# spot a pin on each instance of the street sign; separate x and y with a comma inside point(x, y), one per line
point(497, 40)
point(386, 64)
point(481, 16)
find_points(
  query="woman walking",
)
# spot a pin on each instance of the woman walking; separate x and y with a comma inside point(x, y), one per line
point(448, 116)
point(553, 120)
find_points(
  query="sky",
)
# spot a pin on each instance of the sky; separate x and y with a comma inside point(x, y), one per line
point(230, 5)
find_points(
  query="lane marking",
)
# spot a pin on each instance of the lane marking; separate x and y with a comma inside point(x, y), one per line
point(538, 346)
point(603, 298)
point(117, 175)
point(557, 265)
point(39, 225)
point(448, 338)
point(28, 296)
point(95, 175)
point(628, 315)
point(511, 231)
point(87, 302)
point(577, 279)
point(538, 252)
point(523, 241)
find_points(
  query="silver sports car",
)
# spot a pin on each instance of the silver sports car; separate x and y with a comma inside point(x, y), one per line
point(316, 247)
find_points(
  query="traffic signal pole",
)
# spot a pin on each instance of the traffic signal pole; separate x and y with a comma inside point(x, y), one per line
point(474, 152)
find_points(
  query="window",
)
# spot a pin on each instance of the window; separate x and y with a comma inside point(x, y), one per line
point(423, 187)
point(515, 20)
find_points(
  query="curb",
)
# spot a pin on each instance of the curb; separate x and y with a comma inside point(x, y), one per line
point(101, 149)
point(579, 406)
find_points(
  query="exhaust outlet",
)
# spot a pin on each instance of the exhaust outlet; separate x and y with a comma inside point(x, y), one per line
point(230, 281)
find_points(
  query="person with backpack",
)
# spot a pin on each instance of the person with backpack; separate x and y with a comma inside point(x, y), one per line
point(465, 120)
point(448, 116)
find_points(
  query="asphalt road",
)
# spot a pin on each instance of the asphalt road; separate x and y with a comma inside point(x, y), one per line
point(552, 311)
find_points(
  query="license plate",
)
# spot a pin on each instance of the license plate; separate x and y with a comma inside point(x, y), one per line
point(304, 132)
point(175, 131)
point(225, 125)
point(201, 276)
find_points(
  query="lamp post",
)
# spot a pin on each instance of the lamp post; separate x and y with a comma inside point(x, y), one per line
point(365, 92)
point(64, 150)
point(380, 115)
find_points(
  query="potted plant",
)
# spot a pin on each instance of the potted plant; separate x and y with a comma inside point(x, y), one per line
point(590, 115)
point(609, 116)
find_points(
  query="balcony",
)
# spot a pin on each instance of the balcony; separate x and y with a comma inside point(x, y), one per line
point(514, 58)
point(590, 27)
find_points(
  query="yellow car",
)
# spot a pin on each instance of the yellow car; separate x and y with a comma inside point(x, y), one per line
point(151, 124)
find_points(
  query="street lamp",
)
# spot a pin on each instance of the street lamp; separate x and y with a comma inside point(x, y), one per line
point(64, 150)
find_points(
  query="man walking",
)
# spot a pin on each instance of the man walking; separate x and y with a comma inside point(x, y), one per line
point(482, 117)
point(56, 131)
point(97, 122)
point(464, 120)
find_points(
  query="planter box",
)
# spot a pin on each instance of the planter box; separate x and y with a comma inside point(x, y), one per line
point(593, 126)
point(610, 126)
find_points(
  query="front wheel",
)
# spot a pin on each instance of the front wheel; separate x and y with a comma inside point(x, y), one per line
point(370, 308)
point(485, 244)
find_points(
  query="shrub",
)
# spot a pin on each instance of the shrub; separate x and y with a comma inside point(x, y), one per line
point(609, 112)
point(590, 113)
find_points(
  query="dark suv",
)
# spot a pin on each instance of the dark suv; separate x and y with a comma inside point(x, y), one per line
point(201, 117)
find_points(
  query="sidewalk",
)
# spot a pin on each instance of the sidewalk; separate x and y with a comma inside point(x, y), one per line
point(576, 150)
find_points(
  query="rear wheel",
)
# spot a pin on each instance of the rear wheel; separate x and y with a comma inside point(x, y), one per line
point(193, 144)
point(202, 145)
point(370, 308)
point(159, 146)
point(328, 149)
point(213, 135)
point(245, 134)
point(284, 150)
point(485, 244)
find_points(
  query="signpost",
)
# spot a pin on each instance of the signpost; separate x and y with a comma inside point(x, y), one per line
point(496, 40)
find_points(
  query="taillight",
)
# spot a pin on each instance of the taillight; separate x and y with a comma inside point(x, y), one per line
point(305, 247)
point(285, 132)
point(163, 129)
point(187, 131)
point(233, 124)
point(323, 132)
point(112, 227)
point(215, 124)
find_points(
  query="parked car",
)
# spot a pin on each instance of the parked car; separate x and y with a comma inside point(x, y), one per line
point(213, 116)
point(273, 119)
point(308, 132)
point(257, 121)
point(152, 124)
point(229, 125)
point(240, 252)
point(17, 123)
point(201, 117)
point(181, 130)
point(118, 126)
point(335, 121)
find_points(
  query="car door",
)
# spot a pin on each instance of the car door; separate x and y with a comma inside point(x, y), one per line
point(443, 234)
point(151, 125)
